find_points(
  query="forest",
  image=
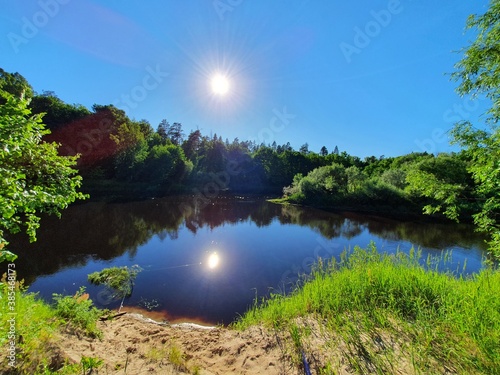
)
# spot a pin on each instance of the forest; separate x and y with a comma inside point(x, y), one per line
point(106, 155)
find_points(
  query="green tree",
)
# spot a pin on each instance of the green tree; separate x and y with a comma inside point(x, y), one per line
point(15, 84)
point(479, 75)
point(175, 133)
point(394, 177)
point(33, 177)
point(56, 113)
point(304, 149)
point(191, 145)
point(479, 70)
point(331, 178)
point(320, 183)
point(355, 178)
point(162, 129)
point(323, 151)
point(483, 150)
point(444, 180)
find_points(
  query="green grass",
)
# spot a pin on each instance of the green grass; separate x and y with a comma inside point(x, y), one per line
point(78, 312)
point(382, 311)
point(37, 326)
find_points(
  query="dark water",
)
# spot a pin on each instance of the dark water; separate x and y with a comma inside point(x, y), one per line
point(262, 247)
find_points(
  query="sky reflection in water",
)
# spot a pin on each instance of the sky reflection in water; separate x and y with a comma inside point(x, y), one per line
point(207, 264)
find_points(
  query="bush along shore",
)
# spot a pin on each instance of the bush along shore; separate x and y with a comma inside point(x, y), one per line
point(365, 313)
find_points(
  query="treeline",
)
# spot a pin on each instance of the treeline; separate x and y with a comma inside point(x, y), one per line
point(119, 154)
point(406, 184)
point(130, 159)
point(121, 157)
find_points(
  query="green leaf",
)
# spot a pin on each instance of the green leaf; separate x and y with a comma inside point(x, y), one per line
point(7, 256)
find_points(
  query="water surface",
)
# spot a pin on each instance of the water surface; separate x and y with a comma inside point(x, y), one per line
point(261, 247)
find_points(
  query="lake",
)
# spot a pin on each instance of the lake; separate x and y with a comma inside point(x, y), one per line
point(207, 261)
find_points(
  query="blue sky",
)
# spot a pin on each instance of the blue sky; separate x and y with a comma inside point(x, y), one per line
point(367, 76)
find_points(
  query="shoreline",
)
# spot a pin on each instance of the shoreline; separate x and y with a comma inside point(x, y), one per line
point(161, 318)
point(188, 325)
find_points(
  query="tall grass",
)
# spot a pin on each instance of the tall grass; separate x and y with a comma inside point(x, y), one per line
point(36, 331)
point(434, 320)
point(38, 326)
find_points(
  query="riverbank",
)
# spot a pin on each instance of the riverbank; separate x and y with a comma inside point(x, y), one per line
point(67, 338)
point(368, 313)
point(380, 313)
point(387, 211)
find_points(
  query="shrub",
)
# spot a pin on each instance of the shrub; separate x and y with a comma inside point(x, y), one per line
point(79, 312)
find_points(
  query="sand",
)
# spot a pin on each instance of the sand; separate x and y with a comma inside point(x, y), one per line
point(133, 344)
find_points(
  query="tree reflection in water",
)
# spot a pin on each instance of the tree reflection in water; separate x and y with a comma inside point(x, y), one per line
point(107, 230)
point(257, 240)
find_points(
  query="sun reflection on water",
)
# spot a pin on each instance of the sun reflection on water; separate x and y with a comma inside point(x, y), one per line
point(213, 260)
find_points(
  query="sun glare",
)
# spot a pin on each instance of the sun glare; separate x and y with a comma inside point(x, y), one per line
point(220, 85)
point(213, 260)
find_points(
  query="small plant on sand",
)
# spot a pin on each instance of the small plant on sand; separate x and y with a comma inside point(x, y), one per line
point(79, 312)
point(119, 279)
point(89, 364)
point(156, 354)
point(177, 358)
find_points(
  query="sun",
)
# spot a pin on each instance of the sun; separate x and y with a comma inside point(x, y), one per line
point(220, 84)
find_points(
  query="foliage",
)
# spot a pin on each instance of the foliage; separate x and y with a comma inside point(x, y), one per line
point(6, 256)
point(330, 179)
point(368, 295)
point(409, 184)
point(89, 364)
point(15, 84)
point(444, 179)
point(79, 312)
point(479, 75)
point(395, 177)
point(479, 70)
point(36, 323)
point(120, 279)
point(56, 113)
point(127, 157)
point(34, 178)
point(482, 148)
